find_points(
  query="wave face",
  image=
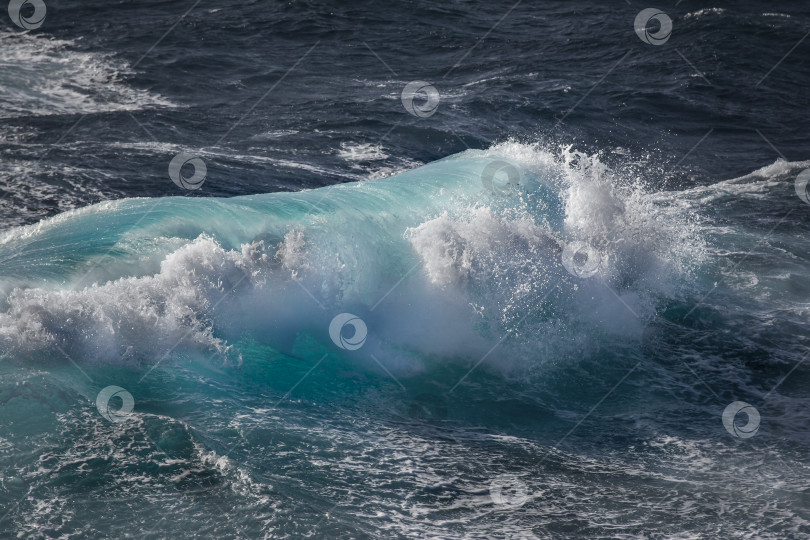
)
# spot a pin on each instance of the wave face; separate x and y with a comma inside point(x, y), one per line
point(489, 339)
point(429, 248)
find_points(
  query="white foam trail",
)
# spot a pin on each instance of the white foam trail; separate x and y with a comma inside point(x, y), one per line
point(40, 75)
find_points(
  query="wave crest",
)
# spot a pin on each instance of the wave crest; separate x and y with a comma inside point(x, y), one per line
point(434, 263)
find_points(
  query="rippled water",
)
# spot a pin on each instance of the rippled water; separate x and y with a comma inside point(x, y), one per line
point(460, 270)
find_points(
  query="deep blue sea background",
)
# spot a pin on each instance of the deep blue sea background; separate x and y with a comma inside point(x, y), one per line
point(597, 402)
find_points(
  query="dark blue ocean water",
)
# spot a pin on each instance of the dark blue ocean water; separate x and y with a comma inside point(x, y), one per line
point(590, 320)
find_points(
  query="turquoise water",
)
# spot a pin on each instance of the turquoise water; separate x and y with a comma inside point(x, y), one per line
point(498, 392)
